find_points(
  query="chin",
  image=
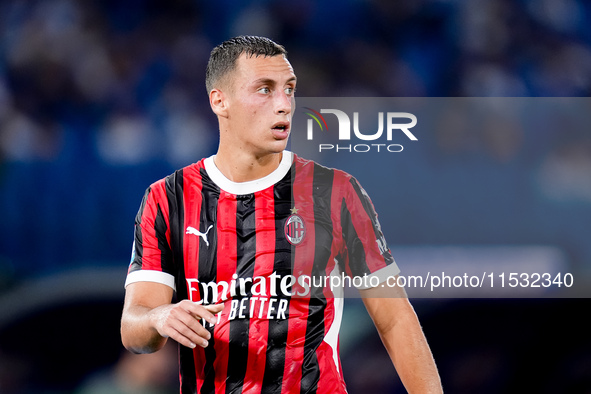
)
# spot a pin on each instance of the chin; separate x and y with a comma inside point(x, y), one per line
point(278, 147)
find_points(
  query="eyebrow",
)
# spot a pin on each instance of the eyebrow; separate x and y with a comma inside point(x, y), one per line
point(269, 81)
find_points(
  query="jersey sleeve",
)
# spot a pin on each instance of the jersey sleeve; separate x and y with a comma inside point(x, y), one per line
point(367, 253)
point(151, 258)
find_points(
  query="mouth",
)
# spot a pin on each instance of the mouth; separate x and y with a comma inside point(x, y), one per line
point(281, 126)
point(280, 130)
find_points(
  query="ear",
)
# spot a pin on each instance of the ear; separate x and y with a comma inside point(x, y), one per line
point(218, 102)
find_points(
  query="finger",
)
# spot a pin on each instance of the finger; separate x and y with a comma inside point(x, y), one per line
point(190, 330)
point(215, 309)
point(188, 339)
point(179, 319)
point(200, 311)
point(194, 325)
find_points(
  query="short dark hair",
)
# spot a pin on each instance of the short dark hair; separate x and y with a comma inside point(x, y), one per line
point(223, 58)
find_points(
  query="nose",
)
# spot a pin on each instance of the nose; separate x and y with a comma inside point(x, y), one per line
point(283, 104)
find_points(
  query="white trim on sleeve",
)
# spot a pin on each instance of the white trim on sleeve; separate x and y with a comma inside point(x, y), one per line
point(382, 274)
point(150, 276)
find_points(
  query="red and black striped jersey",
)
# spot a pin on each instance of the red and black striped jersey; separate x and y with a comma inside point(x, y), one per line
point(262, 248)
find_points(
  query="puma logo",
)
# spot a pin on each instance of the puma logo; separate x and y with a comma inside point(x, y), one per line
point(194, 231)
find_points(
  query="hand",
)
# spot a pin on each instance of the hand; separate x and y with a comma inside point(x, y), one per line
point(181, 322)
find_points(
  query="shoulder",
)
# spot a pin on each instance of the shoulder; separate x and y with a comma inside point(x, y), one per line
point(174, 182)
point(310, 166)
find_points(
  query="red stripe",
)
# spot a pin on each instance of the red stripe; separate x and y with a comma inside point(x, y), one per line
point(336, 204)
point(303, 261)
point(161, 196)
point(152, 256)
point(264, 265)
point(331, 379)
point(192, 185)
point(226, 267)
point(337, 247)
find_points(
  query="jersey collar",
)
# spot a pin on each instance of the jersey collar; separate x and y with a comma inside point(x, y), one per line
point(251, 186)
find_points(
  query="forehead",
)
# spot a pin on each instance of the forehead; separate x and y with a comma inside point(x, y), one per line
point(250, 69)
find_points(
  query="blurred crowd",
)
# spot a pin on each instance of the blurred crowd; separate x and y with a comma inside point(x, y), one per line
point(99, 98)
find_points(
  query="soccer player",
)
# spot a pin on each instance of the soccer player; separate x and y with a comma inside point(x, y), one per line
point(241, 237)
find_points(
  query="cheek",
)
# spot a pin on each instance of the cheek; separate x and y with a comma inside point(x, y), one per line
point(253, 111)
point(245, 113)
point(249, 108)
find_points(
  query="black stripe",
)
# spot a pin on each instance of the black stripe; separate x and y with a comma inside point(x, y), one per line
point(176, 208)
point(138, 237)
point(160, 229)
point(354, 244)
point(245, 235)
point(239, 328)
point(138, 217)
point(208, 264)
point(210, 194)
point(367, 205)
point(322, 197)
point(176, 219)
point(188, 375)
point(373, 216)
point(278, 328)
point(314, 336)
point(321, 194)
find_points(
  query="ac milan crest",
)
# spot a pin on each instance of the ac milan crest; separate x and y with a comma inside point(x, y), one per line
point(294, 228)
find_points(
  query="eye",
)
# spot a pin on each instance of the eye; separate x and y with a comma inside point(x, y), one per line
point(264, 90)
point(290, 90)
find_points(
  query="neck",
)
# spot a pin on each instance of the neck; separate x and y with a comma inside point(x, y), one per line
point(239, 166)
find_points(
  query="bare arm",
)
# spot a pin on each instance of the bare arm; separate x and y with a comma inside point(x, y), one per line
point(149, 318)
point(401, 333)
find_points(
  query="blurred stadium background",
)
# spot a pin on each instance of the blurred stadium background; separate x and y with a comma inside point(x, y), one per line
point(98, 99)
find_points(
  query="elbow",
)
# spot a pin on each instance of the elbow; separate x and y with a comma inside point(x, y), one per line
point(136, 346)
point(127, 339)
point(140, 343)
point(128, 343)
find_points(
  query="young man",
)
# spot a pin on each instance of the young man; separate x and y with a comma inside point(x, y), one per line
point(240, 236)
